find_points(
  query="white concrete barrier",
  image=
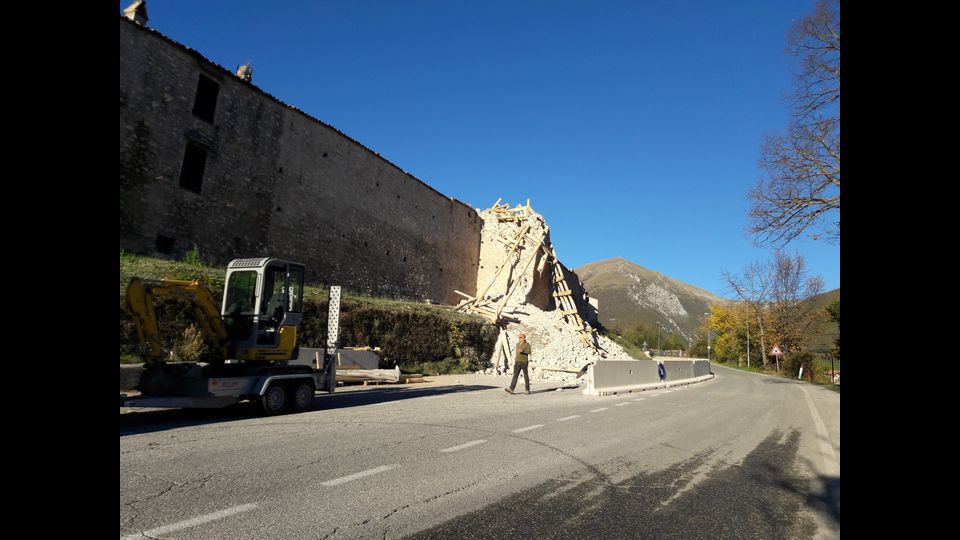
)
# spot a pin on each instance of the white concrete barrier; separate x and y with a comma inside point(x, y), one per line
point(617, 377)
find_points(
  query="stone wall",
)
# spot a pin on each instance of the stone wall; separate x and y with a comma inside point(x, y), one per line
point(275, 182)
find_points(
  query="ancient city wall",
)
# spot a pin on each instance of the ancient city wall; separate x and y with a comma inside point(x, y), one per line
point(273, 181)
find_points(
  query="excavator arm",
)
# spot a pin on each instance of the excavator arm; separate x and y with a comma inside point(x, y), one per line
point(141, 296)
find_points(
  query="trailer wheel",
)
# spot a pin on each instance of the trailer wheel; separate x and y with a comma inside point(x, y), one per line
point(302, 396)
point(274, 400)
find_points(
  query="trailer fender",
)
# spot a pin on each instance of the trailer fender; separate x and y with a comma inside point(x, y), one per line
point(260, 388)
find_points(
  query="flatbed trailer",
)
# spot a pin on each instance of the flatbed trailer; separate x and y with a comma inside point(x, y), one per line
point(255, 332)
point(276, 388)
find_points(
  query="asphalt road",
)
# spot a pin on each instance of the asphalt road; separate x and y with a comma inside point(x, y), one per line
point(741, 456)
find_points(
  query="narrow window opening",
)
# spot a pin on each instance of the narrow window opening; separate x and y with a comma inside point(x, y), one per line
point(164, 244)
point(205, 103)
point(194, 163)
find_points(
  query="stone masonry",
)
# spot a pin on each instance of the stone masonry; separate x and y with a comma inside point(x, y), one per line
point(210, 160)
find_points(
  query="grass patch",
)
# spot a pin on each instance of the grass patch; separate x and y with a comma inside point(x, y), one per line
point(154, 268)
point(634, 351)
point(130, 358)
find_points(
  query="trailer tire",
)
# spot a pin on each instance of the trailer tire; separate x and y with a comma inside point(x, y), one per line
point(274, 400)
point(301, 396)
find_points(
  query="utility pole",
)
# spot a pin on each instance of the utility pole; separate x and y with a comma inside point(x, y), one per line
point(748, 342)
point(708, 338)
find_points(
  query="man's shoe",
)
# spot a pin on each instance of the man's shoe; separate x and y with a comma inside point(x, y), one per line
point(507, 390)
point(527, 392)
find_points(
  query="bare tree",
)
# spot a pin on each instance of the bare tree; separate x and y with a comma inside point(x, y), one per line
point(801, 190)
point(791, 315)
point(775, 294)
point(753, 286)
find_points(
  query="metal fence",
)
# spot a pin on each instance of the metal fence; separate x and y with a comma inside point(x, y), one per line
point(678, 353)
point(825, 369)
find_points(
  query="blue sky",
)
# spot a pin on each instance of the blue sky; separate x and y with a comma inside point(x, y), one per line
point(633, 127)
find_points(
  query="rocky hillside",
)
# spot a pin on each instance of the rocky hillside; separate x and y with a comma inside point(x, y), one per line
point(629, 293)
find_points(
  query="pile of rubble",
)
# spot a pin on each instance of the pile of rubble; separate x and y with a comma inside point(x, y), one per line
point(523, 288)
point(558, 353)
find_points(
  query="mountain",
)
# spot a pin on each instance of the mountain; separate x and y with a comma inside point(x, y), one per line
point(629, 293)
point(824, 331)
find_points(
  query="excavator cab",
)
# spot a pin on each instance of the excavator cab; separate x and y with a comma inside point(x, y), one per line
point(262, 305)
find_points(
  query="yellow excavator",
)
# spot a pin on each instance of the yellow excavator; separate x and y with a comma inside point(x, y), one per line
point(254, 335)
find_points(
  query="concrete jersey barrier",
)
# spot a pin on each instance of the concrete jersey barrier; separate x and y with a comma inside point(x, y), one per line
point(613, 377)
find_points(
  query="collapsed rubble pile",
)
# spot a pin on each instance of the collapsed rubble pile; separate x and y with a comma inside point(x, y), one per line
point(523, 288)
point(558, 353)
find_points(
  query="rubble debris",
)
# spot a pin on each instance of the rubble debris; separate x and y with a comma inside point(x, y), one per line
point(512, 240)
point(369, 375)
point(523, 288)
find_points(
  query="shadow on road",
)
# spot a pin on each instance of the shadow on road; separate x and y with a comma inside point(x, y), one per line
point(772, 380)
point(549, 390)
point(159, 420)
point(763, 497)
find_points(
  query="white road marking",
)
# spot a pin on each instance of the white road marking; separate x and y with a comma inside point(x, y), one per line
point(357, 476)
point(600, 409)
point(464, 445)
point(528, 428)
point(199, 520)
point(832, 468)
point(565, 418)
point(640, 399)
point(436, 397)
point(622, 404)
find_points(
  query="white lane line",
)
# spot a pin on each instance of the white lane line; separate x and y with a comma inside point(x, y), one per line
point(192, 522)
point(464, 445)
point(357, 476)
point(600, 409)
point(640, 399)
point(832, 468)
point(655, 395)
point(622, 404)
point(565, 418)
point(667, 391)
point(528, 428)
point(436, 397)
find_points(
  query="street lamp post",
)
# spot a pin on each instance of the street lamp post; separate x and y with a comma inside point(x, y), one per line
point(748, 342)
point(659, 326)
point(708, 339)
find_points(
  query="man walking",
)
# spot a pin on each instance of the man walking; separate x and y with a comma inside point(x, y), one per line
point(520, 362)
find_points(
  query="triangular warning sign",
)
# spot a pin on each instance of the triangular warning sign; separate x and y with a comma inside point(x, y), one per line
point(776, 351)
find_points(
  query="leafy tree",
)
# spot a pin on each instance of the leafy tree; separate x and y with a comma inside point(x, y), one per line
point(801, 188)
point(833, 309)
point(724, 324)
